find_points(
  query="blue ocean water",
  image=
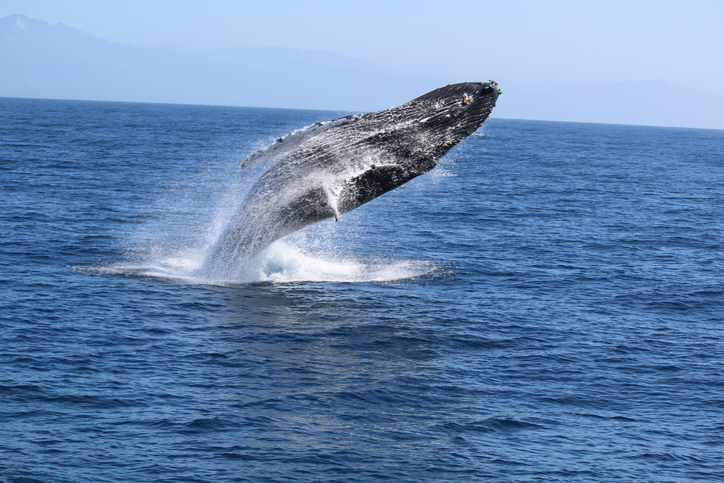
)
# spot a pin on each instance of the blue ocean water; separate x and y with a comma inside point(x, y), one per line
point(546, 305)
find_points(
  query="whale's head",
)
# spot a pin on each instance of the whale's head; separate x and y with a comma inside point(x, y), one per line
point(424, 129)
point(457, 110)
point(420, 132)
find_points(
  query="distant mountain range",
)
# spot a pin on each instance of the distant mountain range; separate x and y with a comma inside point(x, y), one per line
point(56, 61)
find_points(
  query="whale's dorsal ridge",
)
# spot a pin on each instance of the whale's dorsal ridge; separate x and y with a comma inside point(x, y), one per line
point(294, 139)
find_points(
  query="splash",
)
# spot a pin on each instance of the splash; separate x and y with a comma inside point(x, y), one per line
point(282, 262)
point(176, 247)
point(314, 175)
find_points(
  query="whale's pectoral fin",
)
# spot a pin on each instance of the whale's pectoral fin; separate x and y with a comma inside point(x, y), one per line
point(293, 140)
point(375, 181)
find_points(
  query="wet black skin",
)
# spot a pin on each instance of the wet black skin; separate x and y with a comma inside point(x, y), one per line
point(347, 165)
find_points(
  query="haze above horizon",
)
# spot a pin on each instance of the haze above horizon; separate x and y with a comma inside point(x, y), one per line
point(524, 45)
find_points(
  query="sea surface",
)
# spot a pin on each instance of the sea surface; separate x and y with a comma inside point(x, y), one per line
point(546, 305)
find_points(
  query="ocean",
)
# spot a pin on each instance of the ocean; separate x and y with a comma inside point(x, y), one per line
point(546, 305)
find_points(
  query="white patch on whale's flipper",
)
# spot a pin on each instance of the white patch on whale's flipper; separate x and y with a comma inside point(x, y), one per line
point(332, 201)
point(293, 140)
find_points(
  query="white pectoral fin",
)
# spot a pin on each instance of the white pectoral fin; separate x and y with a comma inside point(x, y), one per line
point(293, 140)
point(332, 201)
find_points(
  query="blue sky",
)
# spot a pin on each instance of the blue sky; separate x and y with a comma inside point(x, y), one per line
point(522, 43)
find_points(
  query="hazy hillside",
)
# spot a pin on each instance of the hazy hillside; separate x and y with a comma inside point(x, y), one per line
point(57, 61)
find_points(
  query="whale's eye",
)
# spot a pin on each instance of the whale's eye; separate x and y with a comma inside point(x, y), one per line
point(467, 100)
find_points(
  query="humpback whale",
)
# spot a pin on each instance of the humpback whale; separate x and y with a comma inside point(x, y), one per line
point(330, 168)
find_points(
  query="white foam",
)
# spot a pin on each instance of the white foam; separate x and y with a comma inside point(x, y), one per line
point(282, 262)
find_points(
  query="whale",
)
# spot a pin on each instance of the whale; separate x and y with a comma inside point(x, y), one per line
point(330, 168)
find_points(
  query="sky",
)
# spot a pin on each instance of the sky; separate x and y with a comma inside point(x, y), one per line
point(527, 44)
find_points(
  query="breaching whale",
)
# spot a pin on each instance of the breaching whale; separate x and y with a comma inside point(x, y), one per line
point(333, 167)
